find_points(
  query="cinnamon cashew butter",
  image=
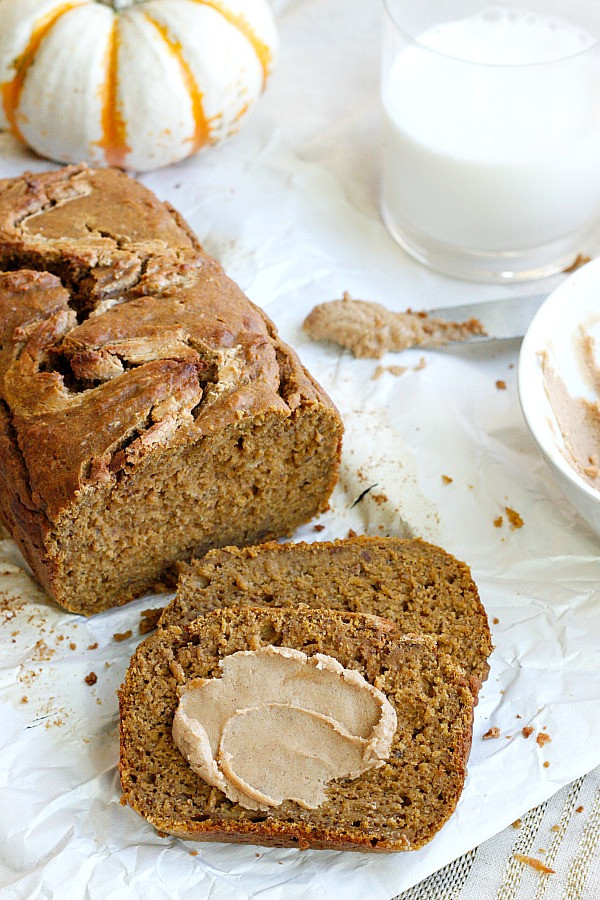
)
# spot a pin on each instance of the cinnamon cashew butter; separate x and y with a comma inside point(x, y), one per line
point(279, 725)
point(578, 418)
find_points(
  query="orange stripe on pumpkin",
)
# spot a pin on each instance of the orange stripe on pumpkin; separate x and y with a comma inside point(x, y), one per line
point(201, 134)
point(238, 21)
point(114, 131)
point(11, 90)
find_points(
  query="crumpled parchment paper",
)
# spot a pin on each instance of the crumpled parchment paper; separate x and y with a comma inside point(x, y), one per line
point(290, 208)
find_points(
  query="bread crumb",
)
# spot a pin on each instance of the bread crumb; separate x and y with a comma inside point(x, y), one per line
point(149, 619)
point(352, 533)
point(446, 479)
point(496, 620)
point(501, 385)
point(393, 370)
point(514, 518)
point(193, 853)
point(493, 732)
point(379, 498)
point(518, 716)
point(122, 635)
point(24, 699)
point(93, 646)
point(546, 765)
point(318, 528)
point(517, 823)
point(555, 828)
point(498, 522)
point(536, 864)
point(73, 646)
point(579, 809)
point(527, 730)
point(91, 679)
point(542, 739)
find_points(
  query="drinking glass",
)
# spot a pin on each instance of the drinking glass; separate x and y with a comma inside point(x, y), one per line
point(491, 152)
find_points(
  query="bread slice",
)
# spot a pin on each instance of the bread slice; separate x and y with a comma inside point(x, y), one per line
point(397, 807)
point(417, 585)
point(148, 410)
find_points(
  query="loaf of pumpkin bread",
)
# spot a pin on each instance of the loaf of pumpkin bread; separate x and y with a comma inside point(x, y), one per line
point(420, 587)
point(148, 410)
point(399, 805)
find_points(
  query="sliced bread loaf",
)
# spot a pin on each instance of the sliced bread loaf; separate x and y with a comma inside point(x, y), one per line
point(399, 806)
point(417, 585)
point(148, 410)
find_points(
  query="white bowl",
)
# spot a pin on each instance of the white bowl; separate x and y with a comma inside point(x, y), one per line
point(555, 330)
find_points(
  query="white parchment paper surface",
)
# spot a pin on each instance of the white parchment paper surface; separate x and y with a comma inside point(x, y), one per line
point(290, 208)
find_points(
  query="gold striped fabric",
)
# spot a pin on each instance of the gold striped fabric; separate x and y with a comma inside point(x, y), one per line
point(563, 834)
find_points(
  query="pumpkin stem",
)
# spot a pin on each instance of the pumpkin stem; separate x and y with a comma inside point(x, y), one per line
point(119, 5)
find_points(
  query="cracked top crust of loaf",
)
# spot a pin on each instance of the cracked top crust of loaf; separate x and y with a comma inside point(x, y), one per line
point(130, 338)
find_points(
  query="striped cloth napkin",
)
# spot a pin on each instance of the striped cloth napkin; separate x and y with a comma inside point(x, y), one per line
point(561, 835)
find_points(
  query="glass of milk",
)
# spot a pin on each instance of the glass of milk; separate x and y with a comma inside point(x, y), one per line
point(491, 152)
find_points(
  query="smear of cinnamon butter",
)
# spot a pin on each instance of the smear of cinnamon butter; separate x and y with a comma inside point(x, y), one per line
point(369, 330)
point(578, 418)
point(279, 725)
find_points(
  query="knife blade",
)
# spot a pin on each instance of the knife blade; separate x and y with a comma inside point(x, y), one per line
point(500, 319)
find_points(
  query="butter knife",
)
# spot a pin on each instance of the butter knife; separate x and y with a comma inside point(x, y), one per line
point(500, 319)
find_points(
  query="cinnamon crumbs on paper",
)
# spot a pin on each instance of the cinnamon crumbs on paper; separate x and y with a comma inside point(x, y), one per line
point(527, 731)
point(446, 479)
point(536, 864)
point(380, 498)
point(122, 636)
point(514, 518)
point(91, 679)
point(542, 739)
point(501, 385)
point(493, 732)
point(393, 370)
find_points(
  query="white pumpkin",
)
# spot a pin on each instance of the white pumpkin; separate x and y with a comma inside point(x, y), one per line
point(132, 83)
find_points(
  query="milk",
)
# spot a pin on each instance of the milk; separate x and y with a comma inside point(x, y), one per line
point(492, 137)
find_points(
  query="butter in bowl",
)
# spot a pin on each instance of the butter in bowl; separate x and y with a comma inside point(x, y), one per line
point(559, 387)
